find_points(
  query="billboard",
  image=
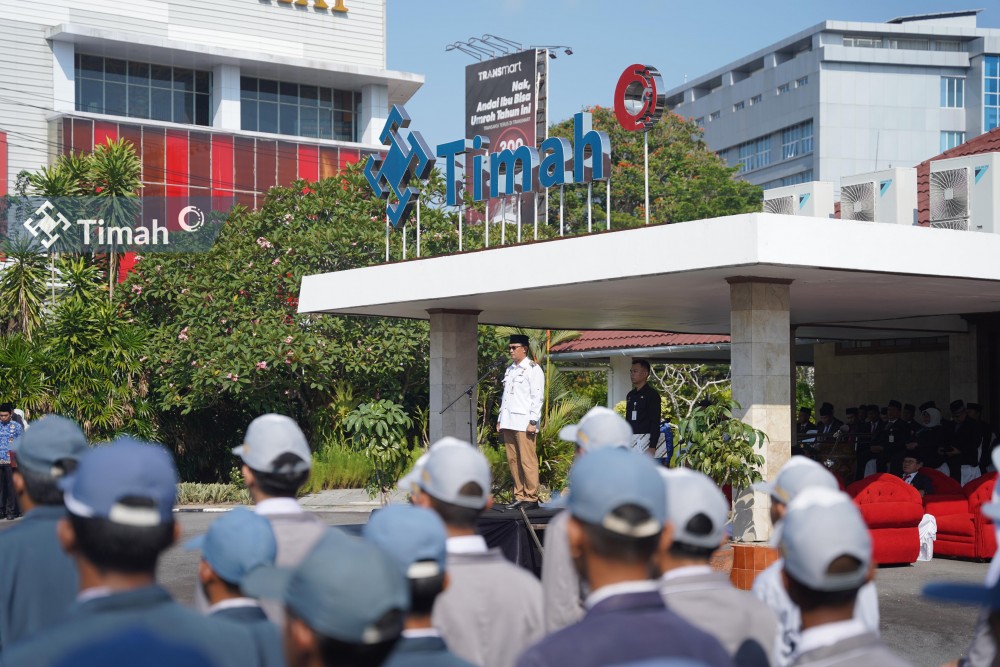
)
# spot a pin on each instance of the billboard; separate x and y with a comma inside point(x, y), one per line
point(505, 100)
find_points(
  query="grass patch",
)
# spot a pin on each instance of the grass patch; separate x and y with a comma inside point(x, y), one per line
point(193, 493)
point(337, 467)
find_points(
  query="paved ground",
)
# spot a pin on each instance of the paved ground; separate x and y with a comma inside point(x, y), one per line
point(928, 634)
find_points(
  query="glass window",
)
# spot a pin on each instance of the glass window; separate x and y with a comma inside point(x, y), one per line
point(142, 90)
point(756, 99)
point(991, 96)
point(950, 139)
point(700, 121)
point(714, 115)
point(797, 140)
point(952, 92)
point(739, 106)
point(755, 154)
point(300, 110)
point(801, 82)
point(784, 88)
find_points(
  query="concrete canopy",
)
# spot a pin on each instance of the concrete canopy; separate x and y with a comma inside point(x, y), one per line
point(850, 280)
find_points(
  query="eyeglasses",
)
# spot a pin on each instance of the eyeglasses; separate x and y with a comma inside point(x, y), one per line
point(513, 347)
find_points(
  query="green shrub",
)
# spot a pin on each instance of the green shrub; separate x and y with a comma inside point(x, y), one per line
point(193, 493)
point(338, 467)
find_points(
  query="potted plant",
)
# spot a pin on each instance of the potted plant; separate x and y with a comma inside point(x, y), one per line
point(716, 443)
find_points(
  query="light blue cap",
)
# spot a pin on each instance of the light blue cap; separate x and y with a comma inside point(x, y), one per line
point(963, 593)
point(346, 588)
point(448, 469)
point(608, 479)
point(822, 525)
point(237, 543)
point(124, 469)
point(412, 536)
point(50, 440)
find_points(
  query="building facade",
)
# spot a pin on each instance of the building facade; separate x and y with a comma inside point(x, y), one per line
point(227, 97)
point(844, 98)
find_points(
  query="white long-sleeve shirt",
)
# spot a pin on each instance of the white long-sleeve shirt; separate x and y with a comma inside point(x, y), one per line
point(523, 393)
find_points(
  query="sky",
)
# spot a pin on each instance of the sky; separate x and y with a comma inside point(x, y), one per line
point(680, 39)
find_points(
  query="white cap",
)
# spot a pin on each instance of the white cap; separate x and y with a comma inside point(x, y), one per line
point(798, 474)
point(690, 493)
point(268, 437)
point(821, 526)
point(600, 427)
point(447, 469)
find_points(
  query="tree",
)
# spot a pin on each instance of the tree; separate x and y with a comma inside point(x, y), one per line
point(686, 180)
point(686, 386)
point(23, 287)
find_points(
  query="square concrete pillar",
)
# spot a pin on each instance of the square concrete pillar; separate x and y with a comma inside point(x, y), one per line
point(761, 367)
point(226, 112)
point(963, 366)
point(453, 367)
point(619, 380)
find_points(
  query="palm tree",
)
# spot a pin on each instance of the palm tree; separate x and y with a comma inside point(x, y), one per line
point(115, 173)
point(23, 284)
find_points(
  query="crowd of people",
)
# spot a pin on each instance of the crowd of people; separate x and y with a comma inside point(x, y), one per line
point(626, 577)
point(880, 438)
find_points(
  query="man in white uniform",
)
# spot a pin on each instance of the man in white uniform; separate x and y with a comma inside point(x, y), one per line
point(520, 412)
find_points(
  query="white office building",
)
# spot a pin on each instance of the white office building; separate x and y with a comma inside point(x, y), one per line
point(229, 97)
point(843, 98)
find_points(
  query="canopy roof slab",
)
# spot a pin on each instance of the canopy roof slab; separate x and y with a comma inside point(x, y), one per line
point(849, 280)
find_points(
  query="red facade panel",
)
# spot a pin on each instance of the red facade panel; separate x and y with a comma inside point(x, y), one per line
point(133, 135)
point(309, 162)
point(288, 167)
point(105, 132)
point(154, 155)
point(200, 163)
point(329, 165)
point(348, 156)
point(178, 175)
point(222, 164)
point(267, 165)
point(83, 135)
point(243, 150)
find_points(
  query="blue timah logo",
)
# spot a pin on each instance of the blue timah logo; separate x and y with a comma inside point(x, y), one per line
point(406, 159)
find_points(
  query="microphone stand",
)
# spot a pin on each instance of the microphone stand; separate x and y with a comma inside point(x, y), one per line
point(470, 392)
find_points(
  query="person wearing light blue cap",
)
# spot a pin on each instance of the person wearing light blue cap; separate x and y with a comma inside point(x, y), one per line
point(235, 545)
point(414, 538)
point(617, 506)
point(799, 474)
point(699, 512)
point(562, 587)
point(492, 609)
point(119, 505)
point(38, 580)
point(345, 603)
point(826, 554)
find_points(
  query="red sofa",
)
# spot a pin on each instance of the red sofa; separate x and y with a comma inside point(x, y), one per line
point(962, 530)
point(893, 510)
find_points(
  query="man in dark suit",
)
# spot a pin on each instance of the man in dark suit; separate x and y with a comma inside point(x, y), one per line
point(868, 436)
point(828, 427)
point(912, 463)
point(964, 438)
point(891, 439)
point(617, 507)
point(973, 412)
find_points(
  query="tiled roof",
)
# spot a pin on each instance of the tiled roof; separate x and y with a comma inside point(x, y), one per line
point(612, 340)
point(984, 143)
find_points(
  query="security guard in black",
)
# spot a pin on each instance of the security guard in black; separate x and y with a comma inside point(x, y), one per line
point(642, 405)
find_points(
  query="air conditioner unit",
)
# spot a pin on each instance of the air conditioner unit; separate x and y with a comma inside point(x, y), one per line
point(814, 199)
point(965, 192)
point(888, 196)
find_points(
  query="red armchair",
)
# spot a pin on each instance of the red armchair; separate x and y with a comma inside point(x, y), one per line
point(962, 530)
point(892, 509)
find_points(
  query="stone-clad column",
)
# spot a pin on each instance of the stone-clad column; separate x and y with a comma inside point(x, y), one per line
point(761, 377)
point(453, 367)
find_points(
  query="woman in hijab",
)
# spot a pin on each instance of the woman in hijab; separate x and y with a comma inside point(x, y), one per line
point(931, 438)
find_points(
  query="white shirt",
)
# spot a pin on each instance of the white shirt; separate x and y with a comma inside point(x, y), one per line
point(523, 392)
point(419, 633)
point(233, 603)
point(466, 544)
point(625, 587)
point(278, 506)
point(829, 634)
point(909, 477)
point(93, 593)
point(686, 571)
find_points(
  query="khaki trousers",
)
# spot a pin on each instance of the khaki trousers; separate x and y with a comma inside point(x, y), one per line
point(523, 460)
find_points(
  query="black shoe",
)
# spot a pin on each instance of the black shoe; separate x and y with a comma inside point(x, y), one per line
point(11, 517)
point(514, 505)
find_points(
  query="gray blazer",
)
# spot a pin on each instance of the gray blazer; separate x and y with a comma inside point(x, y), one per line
point(562, 589)
point(491, 610)
point(864, 650)
point(744, 625)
